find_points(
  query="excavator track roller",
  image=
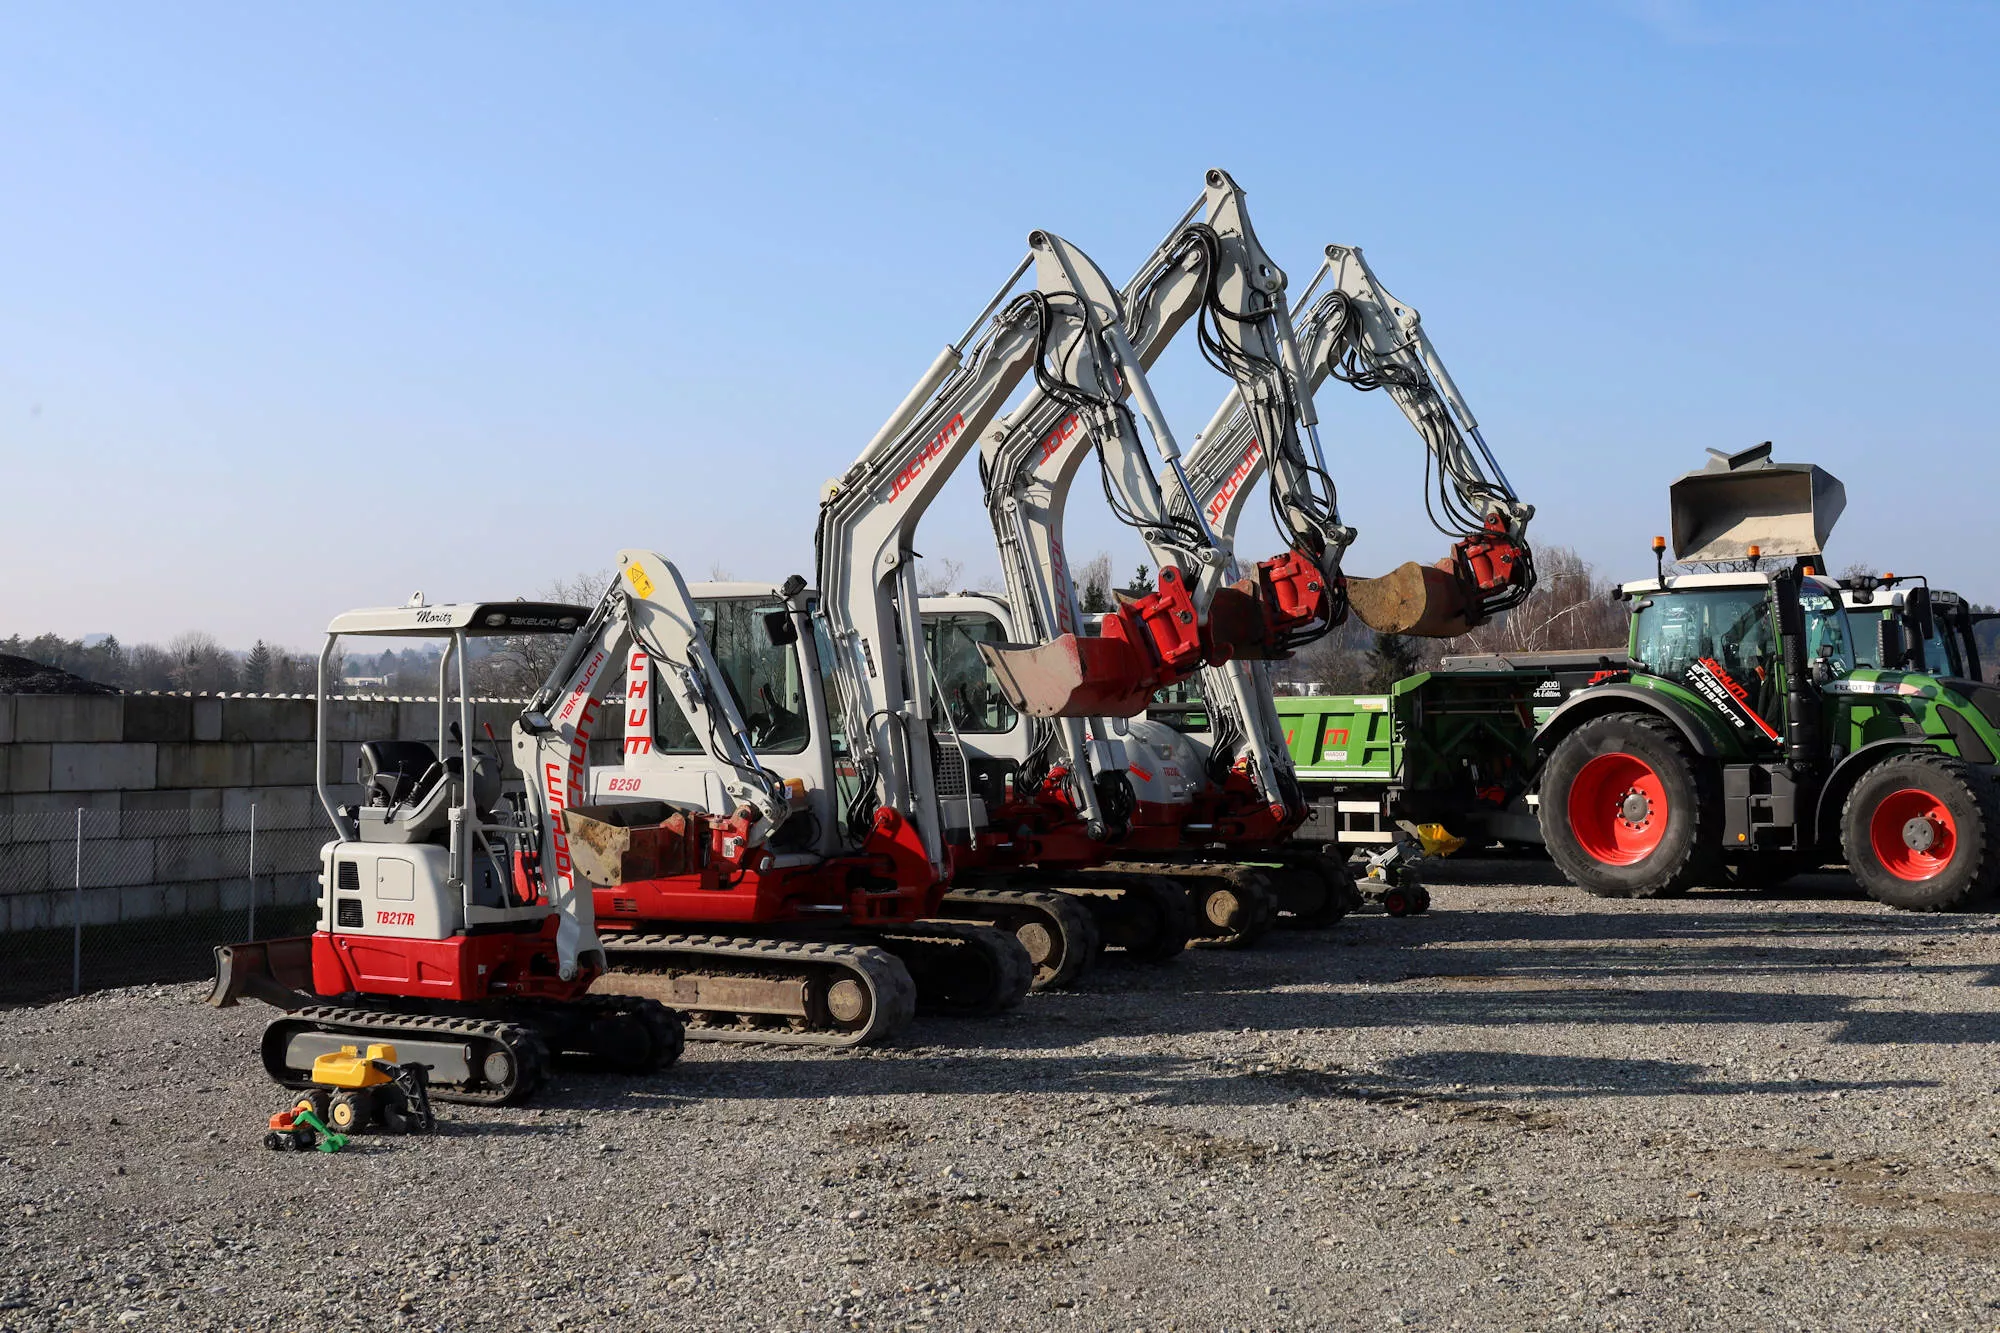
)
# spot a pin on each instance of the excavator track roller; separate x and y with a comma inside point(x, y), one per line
point(786, 992)
point(1234, 905)
point(1058, 931)
point(1148, 917)
point(483, 1062)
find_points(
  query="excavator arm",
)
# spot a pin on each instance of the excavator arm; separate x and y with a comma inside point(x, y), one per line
point(644, 625)
point(1360, 334)
point(1212, 272)
point(1065, 331)
point(1215, 273)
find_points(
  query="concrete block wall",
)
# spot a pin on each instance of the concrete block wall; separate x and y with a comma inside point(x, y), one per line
point(166, 784)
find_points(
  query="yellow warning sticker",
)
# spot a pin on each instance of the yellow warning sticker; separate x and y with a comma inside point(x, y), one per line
point(641, 583)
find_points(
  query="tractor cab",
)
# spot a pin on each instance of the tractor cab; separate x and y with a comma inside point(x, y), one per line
point(1719, 636)
point(1903, 624)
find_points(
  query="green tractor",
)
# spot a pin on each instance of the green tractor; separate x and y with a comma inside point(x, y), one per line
point(1742, 743)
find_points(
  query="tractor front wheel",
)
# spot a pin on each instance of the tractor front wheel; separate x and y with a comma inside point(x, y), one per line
point(1627, 811)
point(1922, 832)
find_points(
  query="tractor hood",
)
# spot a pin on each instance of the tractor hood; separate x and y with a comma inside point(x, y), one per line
point(1744, 499)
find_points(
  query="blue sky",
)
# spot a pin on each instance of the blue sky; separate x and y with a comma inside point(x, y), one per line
point(303, 311)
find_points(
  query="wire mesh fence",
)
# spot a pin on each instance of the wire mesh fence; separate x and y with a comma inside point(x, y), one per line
point(99, 897)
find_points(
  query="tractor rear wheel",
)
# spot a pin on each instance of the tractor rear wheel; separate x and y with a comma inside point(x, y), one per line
point(1922, 832)
point(1628, 811)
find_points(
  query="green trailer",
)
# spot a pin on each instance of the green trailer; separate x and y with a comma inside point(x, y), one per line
point(1453, 748)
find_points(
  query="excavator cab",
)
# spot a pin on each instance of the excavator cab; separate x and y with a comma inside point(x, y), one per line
point(423, 856)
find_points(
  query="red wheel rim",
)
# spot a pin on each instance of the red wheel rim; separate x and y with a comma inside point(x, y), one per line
point(1912, 835)
point(1618, 809)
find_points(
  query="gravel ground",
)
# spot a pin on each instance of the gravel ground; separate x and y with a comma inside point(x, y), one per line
point(1530, 1109)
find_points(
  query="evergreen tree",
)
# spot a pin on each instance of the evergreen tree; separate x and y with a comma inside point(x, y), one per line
point(1393, 657)
point(1142, 581)
point(257, 669)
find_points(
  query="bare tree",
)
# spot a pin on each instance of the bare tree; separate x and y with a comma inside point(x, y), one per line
point(513, 666)
point(200, 663)
point(1093, 583)
point(943, 576)
point(1570, 608)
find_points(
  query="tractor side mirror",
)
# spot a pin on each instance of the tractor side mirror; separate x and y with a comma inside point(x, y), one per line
point(779, 629)
point(1918, 604)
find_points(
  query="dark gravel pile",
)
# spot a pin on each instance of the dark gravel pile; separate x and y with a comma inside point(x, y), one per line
point(1530, 1110)
point(24, 675)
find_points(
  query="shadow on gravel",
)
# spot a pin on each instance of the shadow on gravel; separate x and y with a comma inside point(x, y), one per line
point(1547, 1077)
point(1534, 871)
point(1166, 1080)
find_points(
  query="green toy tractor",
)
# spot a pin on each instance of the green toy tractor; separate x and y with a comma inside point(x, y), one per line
point(1744, 744)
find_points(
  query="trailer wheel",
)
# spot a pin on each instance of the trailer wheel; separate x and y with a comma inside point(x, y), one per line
point(1922, 832)
point(1627, 811)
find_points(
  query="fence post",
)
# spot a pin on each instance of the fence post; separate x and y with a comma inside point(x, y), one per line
point(253, 870)
point(76, 942)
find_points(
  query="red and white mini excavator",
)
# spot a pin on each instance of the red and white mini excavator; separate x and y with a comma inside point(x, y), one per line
point(430, 937)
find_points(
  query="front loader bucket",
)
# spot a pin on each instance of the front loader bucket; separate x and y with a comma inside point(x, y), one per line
point(1743, 499)
point(1425, 601)
point(1072, 676)
point(278, 972)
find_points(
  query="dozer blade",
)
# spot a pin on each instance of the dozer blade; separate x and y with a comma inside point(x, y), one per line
point(1420, 600)
point(278, 972)
point(1072, 676)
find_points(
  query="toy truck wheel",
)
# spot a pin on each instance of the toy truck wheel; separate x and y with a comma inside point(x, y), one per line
point(1922, 832)
point(1628, 811)
point(347, 1112)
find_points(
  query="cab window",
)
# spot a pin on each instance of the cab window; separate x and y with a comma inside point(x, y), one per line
point(972, 695)
point(762, 677)
point(1732, 626)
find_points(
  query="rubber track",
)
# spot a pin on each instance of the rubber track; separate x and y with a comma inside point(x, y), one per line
point(1342, 896)
point(662, 1023)
point(1014, 970)
point(530, 1053)
point(1178, 921)
point(1252, 887)
point(1066, 918)
point(892, 994)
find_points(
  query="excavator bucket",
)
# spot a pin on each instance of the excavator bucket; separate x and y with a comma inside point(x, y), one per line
point(1150, 641)
point(1238, 627)
point(1426, 601)
point(278, 972)
point(1744, 499)
point(613, 844)
point(1072, 676)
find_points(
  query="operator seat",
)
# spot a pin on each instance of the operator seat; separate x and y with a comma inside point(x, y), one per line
point(408, 797)
point(391, 770)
